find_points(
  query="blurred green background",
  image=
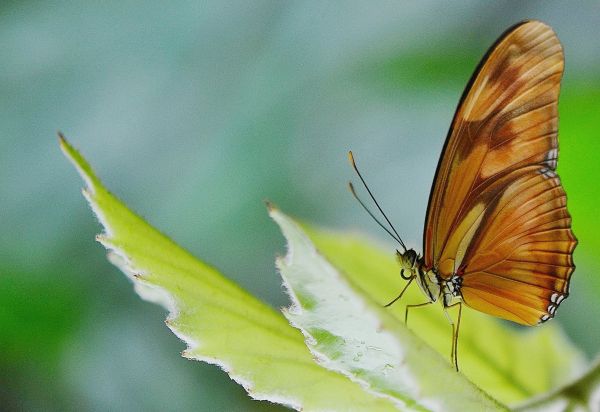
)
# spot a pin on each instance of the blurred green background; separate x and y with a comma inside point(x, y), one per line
point(194, 113)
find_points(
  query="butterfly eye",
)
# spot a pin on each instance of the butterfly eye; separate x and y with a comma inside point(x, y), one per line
point(411, 257)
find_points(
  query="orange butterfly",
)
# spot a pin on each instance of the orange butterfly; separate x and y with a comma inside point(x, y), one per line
point(498, 234)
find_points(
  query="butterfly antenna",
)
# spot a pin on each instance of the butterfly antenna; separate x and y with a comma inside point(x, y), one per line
point(351, 186)
point(397, 236)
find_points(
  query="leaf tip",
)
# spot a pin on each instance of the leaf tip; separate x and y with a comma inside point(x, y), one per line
point(270, 206)
point(64, 144)
point(81, 165)
point(61, 137)
point(68, 149)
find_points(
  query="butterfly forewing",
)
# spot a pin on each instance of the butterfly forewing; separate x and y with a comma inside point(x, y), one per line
point(497, 212)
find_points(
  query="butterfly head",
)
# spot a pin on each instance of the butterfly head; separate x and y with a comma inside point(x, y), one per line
point(412, 267)
point(409, 262)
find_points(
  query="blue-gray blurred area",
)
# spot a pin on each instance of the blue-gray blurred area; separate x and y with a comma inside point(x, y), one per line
point(194, 113)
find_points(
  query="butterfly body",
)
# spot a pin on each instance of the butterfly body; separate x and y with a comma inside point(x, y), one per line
point(433, 286)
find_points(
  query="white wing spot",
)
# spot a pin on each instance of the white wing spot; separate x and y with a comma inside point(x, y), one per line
point(547, 173)
point(552, 154)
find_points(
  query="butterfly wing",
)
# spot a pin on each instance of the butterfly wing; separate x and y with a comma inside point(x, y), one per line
point(497, 211)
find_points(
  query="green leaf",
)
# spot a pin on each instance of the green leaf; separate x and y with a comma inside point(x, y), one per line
point(581, 395)
point(220, 323)
point(511, 364)
point(350, 333)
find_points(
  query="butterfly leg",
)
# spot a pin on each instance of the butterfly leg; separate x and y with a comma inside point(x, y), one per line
point(414, 306)
point(401, 293)
point(455, 330)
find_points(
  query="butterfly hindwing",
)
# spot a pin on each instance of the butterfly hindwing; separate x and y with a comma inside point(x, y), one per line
point(497, 211)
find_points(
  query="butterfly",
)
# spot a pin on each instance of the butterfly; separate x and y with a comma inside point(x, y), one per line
point(497, 234)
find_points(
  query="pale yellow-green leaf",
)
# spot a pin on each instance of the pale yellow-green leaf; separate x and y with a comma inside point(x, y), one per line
point(350, 333)
point(220, 323)
point(511, 364)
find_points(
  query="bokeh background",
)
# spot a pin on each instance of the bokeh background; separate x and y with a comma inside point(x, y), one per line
point(194, 113)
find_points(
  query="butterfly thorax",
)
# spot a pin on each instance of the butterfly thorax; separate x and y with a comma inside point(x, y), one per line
point(430, 282)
